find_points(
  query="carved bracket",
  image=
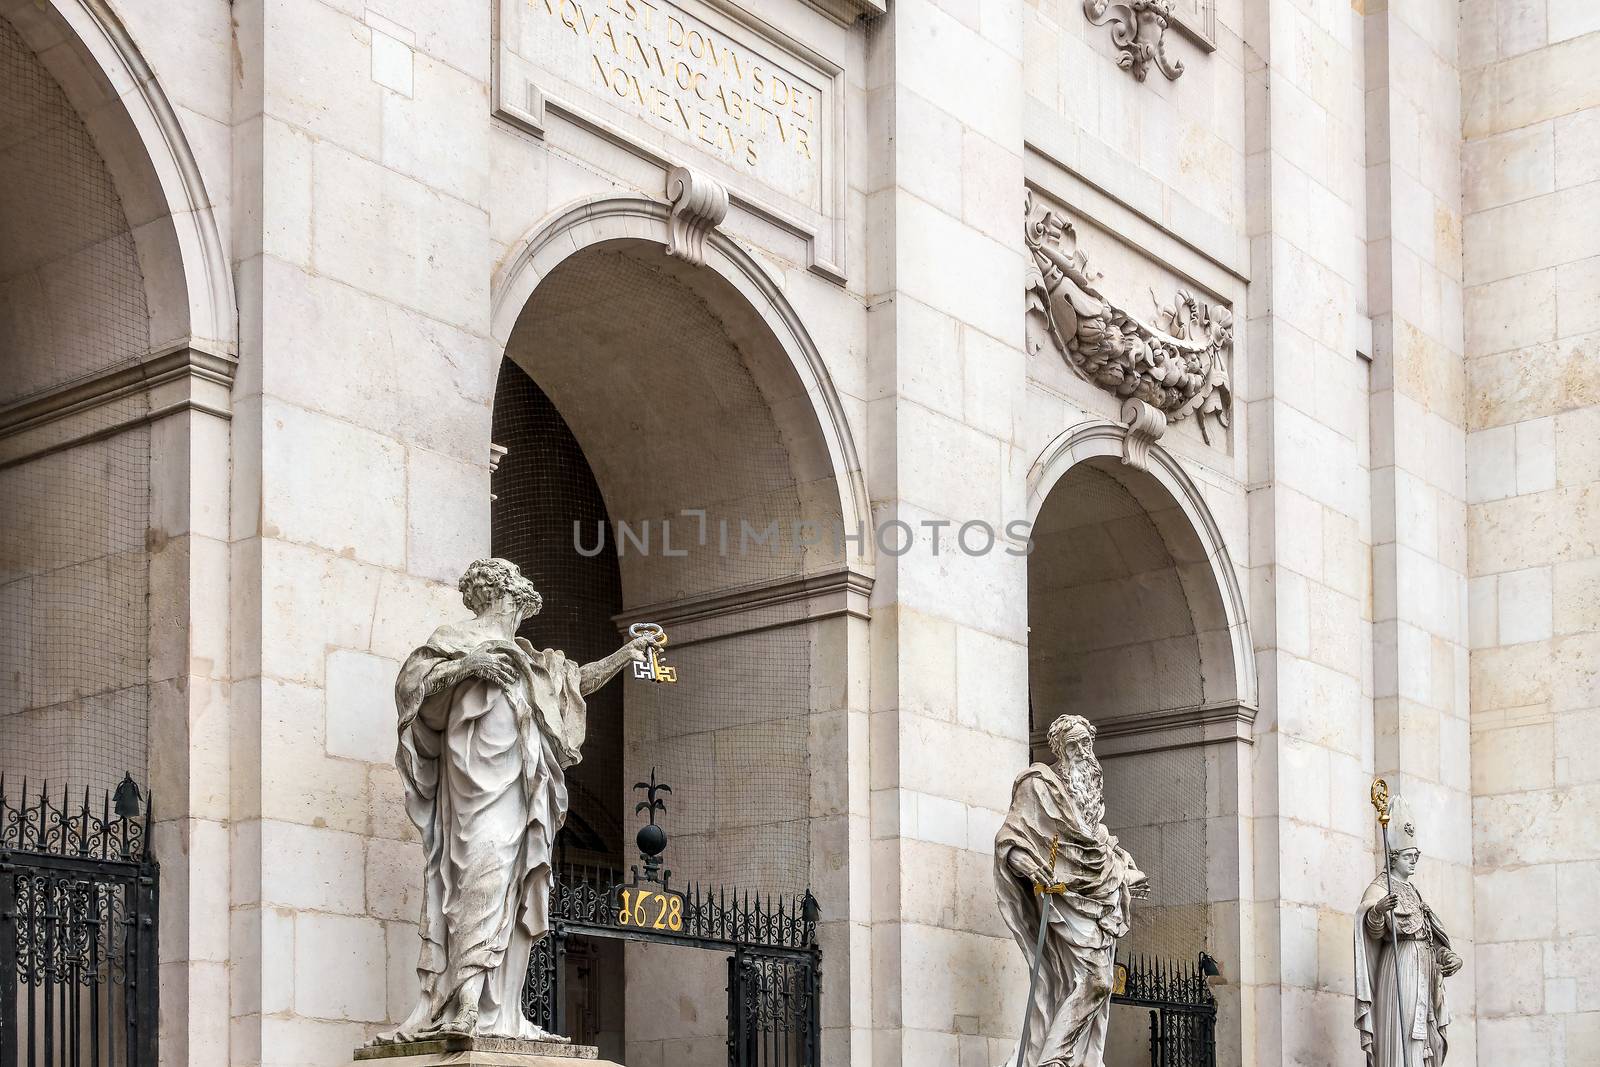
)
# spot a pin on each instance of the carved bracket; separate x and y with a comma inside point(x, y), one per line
point(1179, 370)
point(699, 204)
point(1138, 29)
point(1145, 427)
point(496, 454)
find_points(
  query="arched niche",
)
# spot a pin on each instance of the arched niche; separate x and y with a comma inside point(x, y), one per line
point(113, 449)
point(189, 285)
point(690, 391)
point(1136, 622)
point(1179, 513)
point(753, 311)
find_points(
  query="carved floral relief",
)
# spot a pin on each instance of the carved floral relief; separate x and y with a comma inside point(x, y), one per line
point(1179, 367)
point(1138, 29)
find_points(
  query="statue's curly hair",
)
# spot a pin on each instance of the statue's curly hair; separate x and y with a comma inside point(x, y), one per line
point(1063, 727)
point(487, 579)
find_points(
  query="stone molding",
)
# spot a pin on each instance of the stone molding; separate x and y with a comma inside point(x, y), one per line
point(1145, 427)
point(1198, 24)
point(752, 608)
point(699, 204)
point(119, 398)
point(1206, 724)
point(849, 12)
point(1138, 29)
point(1179, 371)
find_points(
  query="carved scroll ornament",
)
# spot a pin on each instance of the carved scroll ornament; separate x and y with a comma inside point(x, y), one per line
point(1138, 29)
point(1179, 370)
point(699, 204)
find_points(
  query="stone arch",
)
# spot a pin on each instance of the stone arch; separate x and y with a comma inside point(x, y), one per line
point(86, 48)
point(777, 645)
point(753, 309)
point(1104, 440)
point(1130, 574)
point(125, 454)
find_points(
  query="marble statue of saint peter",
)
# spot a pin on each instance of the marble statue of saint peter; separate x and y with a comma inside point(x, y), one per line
point(488, 726)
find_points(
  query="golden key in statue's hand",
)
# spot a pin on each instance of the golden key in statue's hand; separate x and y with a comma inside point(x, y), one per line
point(652, 666)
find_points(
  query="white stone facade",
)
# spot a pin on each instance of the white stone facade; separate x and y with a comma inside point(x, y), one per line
point(346, 214)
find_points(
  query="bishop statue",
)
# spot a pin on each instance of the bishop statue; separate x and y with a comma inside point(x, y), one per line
point(1403, 956)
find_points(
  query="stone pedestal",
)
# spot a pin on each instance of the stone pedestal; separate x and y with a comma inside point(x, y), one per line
point(480, 1052)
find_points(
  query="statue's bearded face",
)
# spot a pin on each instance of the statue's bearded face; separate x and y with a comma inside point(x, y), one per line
point(1084, 778)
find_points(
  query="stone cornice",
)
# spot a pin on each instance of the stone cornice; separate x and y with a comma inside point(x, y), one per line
point(848, 12)
point(114, 383)
point(768, 605)
point(1207, 724)
point(118, 398)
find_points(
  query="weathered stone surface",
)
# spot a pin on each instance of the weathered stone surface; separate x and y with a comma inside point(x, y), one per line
point(478, 1050)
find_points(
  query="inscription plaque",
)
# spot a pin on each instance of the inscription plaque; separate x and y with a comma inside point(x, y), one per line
point(760, 112)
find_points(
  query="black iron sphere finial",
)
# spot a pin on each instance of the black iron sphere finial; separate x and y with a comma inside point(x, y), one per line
point(652, 839)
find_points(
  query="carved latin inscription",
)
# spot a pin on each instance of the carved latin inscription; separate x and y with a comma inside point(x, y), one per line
point(695, 77)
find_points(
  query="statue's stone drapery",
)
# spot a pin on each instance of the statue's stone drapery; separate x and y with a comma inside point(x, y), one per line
point(1054, 835)
point(1425, 960)
point(487, 727)
point(484, 770)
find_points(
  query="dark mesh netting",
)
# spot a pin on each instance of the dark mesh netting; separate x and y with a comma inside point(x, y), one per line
point(1112, 637)
point(74, 568)
point(73, 296)
point(542, 487)
point(643, 398)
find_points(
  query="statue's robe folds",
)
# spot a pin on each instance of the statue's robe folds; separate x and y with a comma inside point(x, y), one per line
point(1420, 981)
point(1071, 1004)
point(484, 774)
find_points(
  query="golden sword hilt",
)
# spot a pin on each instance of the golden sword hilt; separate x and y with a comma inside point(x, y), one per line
point(1045, 887)
point(1380, 800)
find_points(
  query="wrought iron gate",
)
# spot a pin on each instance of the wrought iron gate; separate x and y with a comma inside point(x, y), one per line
point(1183, 1013)
point(78, 913)
point(774, 961)
point(774, 999)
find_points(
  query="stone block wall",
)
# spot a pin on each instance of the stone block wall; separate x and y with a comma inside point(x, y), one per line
point(360, 482)
point(1531, 191)
point(1407, 182)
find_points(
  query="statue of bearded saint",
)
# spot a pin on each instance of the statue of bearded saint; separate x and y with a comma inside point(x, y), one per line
point(1054, 836)
point(1418, 1012)
point(488, 726)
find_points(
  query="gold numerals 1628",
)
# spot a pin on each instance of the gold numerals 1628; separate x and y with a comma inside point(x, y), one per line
point(647, 909)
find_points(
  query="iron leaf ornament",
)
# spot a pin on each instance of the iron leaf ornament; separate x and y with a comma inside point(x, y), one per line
point(1179, 368)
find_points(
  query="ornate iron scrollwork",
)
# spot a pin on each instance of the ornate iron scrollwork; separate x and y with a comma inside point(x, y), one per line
point(78, 908)
point(772, 942)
